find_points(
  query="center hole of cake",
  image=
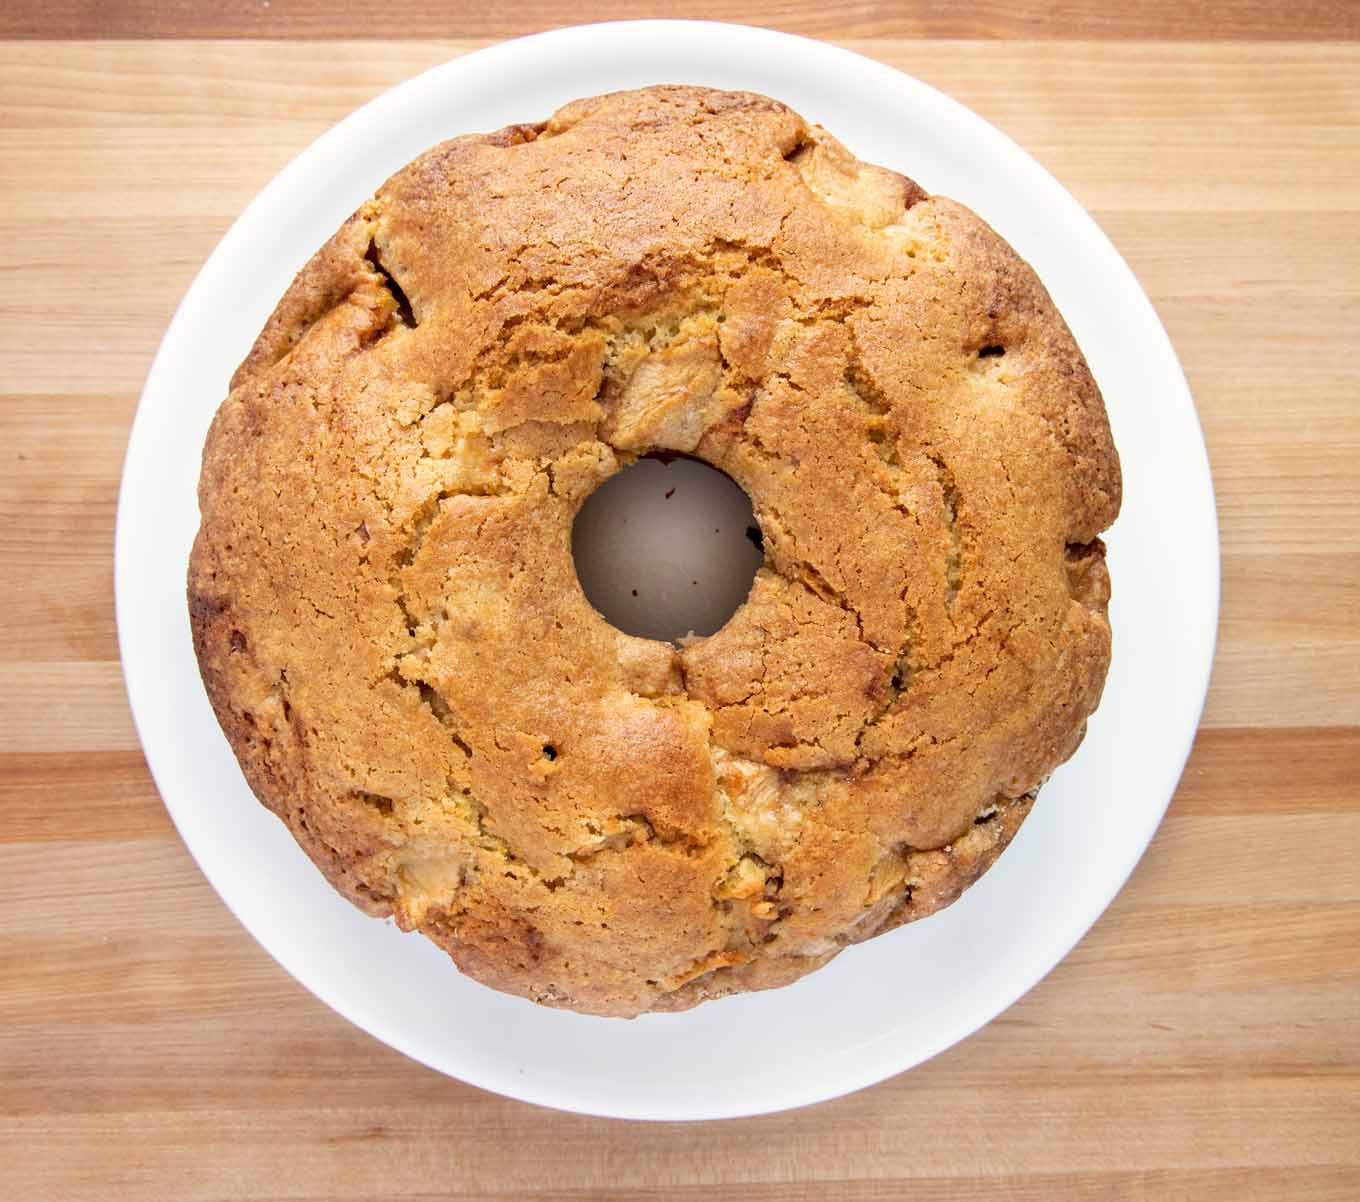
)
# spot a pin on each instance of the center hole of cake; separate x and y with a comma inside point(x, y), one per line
point(667, 547)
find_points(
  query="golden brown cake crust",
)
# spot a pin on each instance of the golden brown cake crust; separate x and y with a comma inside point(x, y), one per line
point(389, 624)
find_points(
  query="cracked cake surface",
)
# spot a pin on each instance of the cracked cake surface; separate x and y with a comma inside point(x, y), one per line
point(389, 623)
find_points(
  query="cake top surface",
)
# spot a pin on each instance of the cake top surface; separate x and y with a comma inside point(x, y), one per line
point(390, 626)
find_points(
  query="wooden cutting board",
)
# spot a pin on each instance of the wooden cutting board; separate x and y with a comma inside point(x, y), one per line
point(1202, 1042)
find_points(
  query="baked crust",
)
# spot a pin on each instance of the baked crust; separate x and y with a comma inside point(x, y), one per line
point(390, 628)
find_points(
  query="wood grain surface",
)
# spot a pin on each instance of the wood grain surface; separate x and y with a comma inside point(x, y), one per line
point(1299, 20)
point(1202, 1042)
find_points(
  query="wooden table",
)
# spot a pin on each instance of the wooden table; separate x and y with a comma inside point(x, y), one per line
point(1202, 1042)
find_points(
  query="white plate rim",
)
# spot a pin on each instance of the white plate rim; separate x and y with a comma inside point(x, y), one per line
point(861, 1064)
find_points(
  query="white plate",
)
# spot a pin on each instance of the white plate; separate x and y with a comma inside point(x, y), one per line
point(880, 1007)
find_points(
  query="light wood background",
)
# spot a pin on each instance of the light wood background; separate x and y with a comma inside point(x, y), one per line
point(1202, 1042)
